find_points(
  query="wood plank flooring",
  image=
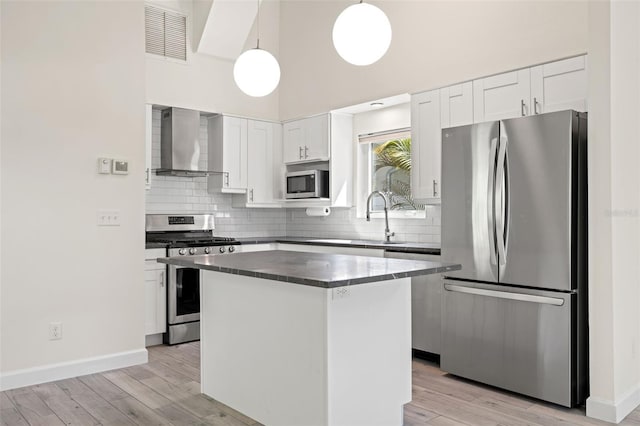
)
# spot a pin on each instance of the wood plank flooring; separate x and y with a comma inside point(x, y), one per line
point(166, 391)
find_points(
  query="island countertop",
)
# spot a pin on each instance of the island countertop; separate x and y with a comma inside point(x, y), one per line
point(312, 269)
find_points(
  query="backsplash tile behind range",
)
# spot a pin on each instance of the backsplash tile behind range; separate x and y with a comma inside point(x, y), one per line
point(169, 194)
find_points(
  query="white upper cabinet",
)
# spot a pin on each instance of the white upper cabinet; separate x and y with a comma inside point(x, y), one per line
point(559, 86)
point(306, 140)
point(502, 96)
point(456, 105)
point(264, 164)
point(425, 146)
point(228, 154)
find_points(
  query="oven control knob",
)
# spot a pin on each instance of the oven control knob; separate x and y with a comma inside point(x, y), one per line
point(207, 250)
point(192, 251)
point(222, 249)
point(182, 251)
point(232, 249)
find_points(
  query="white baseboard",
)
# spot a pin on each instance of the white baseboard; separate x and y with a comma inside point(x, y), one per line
point(613, 412)
point(65, 370)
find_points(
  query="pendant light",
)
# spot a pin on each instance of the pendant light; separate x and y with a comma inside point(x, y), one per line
point(256, 71)
point(362, 34)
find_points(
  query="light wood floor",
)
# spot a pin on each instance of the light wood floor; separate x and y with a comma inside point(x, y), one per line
point(166, 391)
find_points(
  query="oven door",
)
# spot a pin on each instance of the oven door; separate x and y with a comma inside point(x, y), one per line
point(183, 298)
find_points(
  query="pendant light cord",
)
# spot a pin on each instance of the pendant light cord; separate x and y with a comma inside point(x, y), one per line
point(258, 39)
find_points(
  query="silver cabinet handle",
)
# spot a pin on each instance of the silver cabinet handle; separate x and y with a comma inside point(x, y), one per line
point(162, 279)
point(435, 188)
point(306, 152)
point(300, 152)
point(251, 194)
point(522, 297)
point(226, 178)
point(522, 107)
point(535, 106)
point(147, 175)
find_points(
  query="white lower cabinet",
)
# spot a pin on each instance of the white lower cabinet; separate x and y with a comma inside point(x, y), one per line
point(426, 294)
point(155, 282)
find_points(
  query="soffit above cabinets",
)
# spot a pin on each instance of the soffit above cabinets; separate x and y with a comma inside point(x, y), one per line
point(223, 26)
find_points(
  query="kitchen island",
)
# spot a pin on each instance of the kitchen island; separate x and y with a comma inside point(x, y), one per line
point(293, 338)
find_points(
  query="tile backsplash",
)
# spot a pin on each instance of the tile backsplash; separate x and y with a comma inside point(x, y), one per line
point(343, 223)
point(169, 194)
point(175, 195)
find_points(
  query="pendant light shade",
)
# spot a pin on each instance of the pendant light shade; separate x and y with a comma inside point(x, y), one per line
point(362, 34)
point(256, 72)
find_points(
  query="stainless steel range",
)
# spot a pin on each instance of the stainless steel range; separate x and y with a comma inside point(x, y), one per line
point(185, 235)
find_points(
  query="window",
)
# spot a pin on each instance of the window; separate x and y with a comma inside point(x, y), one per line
point(385, 158)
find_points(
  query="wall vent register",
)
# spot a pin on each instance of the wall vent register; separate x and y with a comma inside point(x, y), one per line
point(165, 33)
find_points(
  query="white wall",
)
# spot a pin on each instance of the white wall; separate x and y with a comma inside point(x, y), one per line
point(72, 91)
point(614, 208)
point(206, 83)
point(435, 43)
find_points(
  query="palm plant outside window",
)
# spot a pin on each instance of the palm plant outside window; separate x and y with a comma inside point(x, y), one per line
point(390, 166)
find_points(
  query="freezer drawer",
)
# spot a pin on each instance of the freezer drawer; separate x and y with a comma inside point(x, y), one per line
point(515, 339)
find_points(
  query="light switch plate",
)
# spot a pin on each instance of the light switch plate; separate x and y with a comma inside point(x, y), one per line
point(104, 166)
point(108, 217)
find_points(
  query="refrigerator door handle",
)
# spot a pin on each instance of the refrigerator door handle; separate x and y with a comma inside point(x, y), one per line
point(491, 218)
point(501, 200)
point(542, 300)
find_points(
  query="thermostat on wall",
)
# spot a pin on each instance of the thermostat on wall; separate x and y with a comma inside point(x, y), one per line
point(120, 167)
point(104, 166)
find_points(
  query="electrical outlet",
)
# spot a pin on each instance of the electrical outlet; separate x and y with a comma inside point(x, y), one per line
point(55, 331)
point(340, 292)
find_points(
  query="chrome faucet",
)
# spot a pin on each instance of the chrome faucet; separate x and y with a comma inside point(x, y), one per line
point(387, 233)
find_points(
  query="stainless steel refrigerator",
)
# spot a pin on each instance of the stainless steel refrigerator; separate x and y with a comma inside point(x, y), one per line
point(514, 214)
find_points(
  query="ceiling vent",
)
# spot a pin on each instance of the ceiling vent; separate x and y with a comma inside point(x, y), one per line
point(165, 33)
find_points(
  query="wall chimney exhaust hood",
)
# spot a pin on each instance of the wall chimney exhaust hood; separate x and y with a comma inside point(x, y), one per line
point(179, 145)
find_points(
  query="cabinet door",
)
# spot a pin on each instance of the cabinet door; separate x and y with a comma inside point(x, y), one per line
point(234, 152)
point(502, 96)
point(293, 141)
point(148, 126)
point(260, 163)
point(456, 105)
point(425, 145)
point(155, 299)
point(316, 146)
point(560, 85)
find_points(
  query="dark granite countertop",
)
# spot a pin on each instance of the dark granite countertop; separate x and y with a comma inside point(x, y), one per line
point(155, 245)
point(313, 269)
point(424, 248)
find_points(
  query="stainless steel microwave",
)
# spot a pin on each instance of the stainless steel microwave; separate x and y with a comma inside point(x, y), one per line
point(308, 184)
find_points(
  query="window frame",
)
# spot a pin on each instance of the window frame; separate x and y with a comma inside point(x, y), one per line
point(364, 169)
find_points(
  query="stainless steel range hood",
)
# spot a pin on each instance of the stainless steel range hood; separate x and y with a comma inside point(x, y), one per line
point(179, 145)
